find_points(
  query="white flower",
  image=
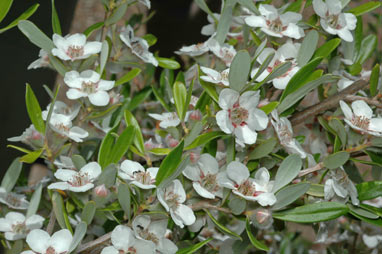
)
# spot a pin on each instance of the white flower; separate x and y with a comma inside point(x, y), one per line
point(215, 76)
point(371, 241)
point(13, 200)
point(226, 52)
point(333, 20)
point(340, 186)
point(42, 61)
point(240, 116)
point(74, 47)
point(284, 131)
point(138, 46)
point(63, 109)
point(166, 119)
point(195, 49)
point(204, 173)
point(274, 24)
point(63, 126)
point(360, 117)
point(88, 84)
point(286, 53)
point(376, 202)
point(41, 243)
point(154, 231)
point(347, 79)
point(64, 162)
point(16, 226)
point(124, 241)
point(210, 29)
point(172, 198)
point(77, 181)
point(138, 175)
point(258, 189)
point(30, 137)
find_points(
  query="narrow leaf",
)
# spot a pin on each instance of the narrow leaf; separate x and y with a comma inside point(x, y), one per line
point(256, 243)
point(88, 212)
point(168, 63)
point(122, 145)
point(307, 48)
point(205, 138)
point(55, 20)
point(289, 194)
point(364, 8)
point(12, 175)
point(5, 5)
point(180, 95)
point(35, 35)
point(34, 110)
point(221, 227)
point(124, 198)
point(79, 234)
point(336, 160)
point(170, 163)
point(288, 170)
point(35, 201)
point(239, 70)
point(104, 56)
point(128, 76)
point(374, 77)
point(193, 248)
point(369, 190)
point(29, 12)
point(138, 137)
point(117, 14)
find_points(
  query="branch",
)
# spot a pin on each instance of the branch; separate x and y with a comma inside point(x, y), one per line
point(374, 102)
point(329, 103)
point(97, 243)
point(311, 170)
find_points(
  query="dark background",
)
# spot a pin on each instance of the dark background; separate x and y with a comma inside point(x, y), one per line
point(170, 24)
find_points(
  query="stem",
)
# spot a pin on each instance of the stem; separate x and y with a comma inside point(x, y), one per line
point(204, 205)
point(319, 166)
point(52, 221)
point(89, 246)
point(374, 102)
point(329, 103)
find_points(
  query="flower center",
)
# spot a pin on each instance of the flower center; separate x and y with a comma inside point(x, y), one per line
point(51, 250)
point(209, 182)
point(12, 200)
point(248, 189)
point(62, 127)
point(89, 87)
point(143, 177)
point(333, 21)
point(80, 180)
point(75, 51)
point(145, 234)
point(131, 250)
point(137, 47)
point(361, 121)
point(19, 228)
point(238, 115)
point(171, 199)
point(276, 25)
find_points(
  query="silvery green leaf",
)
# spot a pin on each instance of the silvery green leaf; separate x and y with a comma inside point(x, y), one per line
point(288, 170)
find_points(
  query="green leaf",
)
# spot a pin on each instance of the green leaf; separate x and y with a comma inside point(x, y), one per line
point(34, 110)
point(108, 176)
point(176, 173)
point(224, 21)
point(60, 212)
point(150, 38)
point(5, 5)
point(336, 160)
point(288, 170)
point(117, 14)
point(168, 63)
point(202, 5)
point(311, 213)
point(180, 94)
point(160, 98)
point(364, 8)
point(35, 35)
point(138, 98)
point(78, 161)
point(221, 227)
point(55, 20)
point(339, 128)
point(208, 88)
point(299, 79)
point(104, 56)
point(377, 222)
point(256, 243)
point(35, 201)
point(12, 175)
point(263, 66)
point(122, 144)
point(93, 28)
point(188, 98)
point(29, 12)
point(128, 76)
point(32, 156)
point(88, 212)
point(369, 190)
point(307, 48)
point(368, 45)
point(237, 205)
point(205, 138)
point(300, 93)
point(316, 190)
point(263, 149)
point(239, 70)
point(193, 248)
point(289, 194)
point(58, 65)
point(327, 48)
point(170, 163)
point(160, 151)
point(79, 234)
point(276, 72)
point(138, 137)
point(269, 107)
point(106, 147)
point(362, 212)
point(124, 198)
point(374, 77)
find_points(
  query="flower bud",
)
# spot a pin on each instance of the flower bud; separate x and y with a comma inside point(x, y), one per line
point(262, 218)
point(195, 115)
point(101, 191)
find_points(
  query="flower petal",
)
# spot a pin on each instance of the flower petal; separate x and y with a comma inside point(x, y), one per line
point(38, 240)
point(122, 237)
point(223, 121)
point(228, 98)
point(245, 134)
point(237, 171)
point(61, 241)
point(99, 98)
point(360, 108)
point(201, 191)
point(65, 174)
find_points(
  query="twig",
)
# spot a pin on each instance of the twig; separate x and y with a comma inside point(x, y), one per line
point(328, 103)
point(52, 221)
point(374, 102)
point(203, 205)
point(89, 246)
point(319, 166)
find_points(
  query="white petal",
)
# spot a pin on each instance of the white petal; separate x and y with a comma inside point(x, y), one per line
point(268, 10)
point(294, 31)
point(122, 237)
point(160, 196)
point(92, 47)
point(282, 82)
point(320, 8)
point(73, 80)
point(179, 190)
point(144, 247)
point(5, 225)
point(228, 98)
point(143, 186)
point(360, 108)
point(77, 134)
point(346, 110)
point(92, 170)
point(266, 199)
point(334, 6)
point(109, 250)
point(153, 172)
point(290, 17)
point(76, 39)
point(65, 174)
point(34, 222)
point(60, 42)
point(345, 35)
point(208, 164)
point(201, 191)
point(61, 240)
point(370, 241)
point(60, 54)
point(237, 172)
point(38, 240)
point(166, 246)
point(128, 168)
point(351, 21)
point(99, 98)
point(375, 124)
point(141, 221)
point(59, 186)
point(82, 188)
point(249, 99)
point(223, 121)
point(255, 21)
point(183, 215)
point(74, 94)
point(15, 217)
point(192, 172)
point(328, 189)
point(245, 134)
point(262, 176)
point(158, 227)
point(105, 85)
point(10, 236)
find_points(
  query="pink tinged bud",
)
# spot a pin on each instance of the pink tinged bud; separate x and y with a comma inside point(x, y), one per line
point(36, 135)
point(262, 218)
point(173, 143)
point(196, 115)
point(101, 191)
point(262, 103)
point(194, 157)
point(296, 181)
